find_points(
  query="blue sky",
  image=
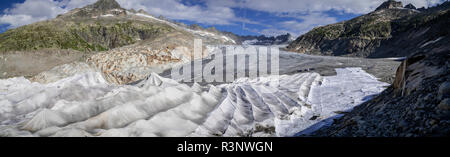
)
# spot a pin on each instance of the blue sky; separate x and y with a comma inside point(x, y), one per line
point(243, 17)
point(3, 6)
point(266, 23)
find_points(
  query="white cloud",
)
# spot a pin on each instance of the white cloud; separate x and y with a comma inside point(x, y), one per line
point(174, 9)
point(296, 28)
point(37, 10)
point(19, 20)
point(348, 6)
point(308, 22)
point(304, 6)
point(311, 13)
point(214, 12)
point(72, 4)
point(30, 11)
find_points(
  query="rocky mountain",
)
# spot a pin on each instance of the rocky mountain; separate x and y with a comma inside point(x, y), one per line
point(92, 28)
point(389, 31)
point(98, 27)
point(104, 35)
point(264, 40)
point(416, 105)
point(410, 6)
point(390, 4)
point(417, 102)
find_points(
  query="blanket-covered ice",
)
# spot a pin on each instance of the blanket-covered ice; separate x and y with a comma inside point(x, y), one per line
point(86, 105)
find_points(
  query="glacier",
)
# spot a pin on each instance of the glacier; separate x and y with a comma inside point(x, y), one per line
point(86, 105)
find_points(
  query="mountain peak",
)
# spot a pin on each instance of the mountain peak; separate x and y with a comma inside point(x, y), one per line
point(101, 7)
point(410, 6)
point(106, 5)
point(390, 4)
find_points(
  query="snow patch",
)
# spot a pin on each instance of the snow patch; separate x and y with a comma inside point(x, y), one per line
point(340, 93)
point(431, 42)
point(108, 15)
point(197, 32)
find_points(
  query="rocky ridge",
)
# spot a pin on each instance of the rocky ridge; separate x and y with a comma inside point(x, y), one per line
point(101, 26)
point(390, 4)
point(389, 31)
point(125, 45)
point(264, 40)
point(416, 104)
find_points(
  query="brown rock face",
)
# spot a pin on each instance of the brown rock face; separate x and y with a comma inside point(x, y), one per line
point(400, 76)
point(407, 78)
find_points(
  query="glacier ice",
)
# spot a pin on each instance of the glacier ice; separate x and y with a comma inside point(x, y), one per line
point(87, 105)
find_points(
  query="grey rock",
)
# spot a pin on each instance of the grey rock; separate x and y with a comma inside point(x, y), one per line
point(419, 113)
point(403, 124)
point(362, 37)
point(106, 5)
point(410, 6)
point(444, 90)
point(445, 104)
point(390, 4)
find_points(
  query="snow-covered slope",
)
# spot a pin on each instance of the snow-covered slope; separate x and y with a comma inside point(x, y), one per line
point(86, 105)
point(286, 105)
point(339, 94)
point(200, 33)
point(262, 107)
